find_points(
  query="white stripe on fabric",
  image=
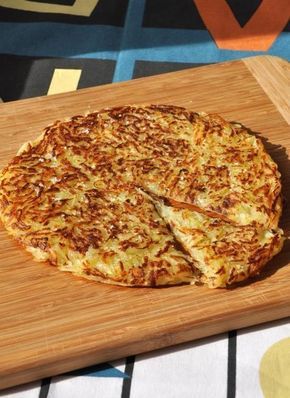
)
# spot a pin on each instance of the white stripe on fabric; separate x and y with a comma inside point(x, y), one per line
point(252, 343)
point(192, 370)
point(87, 386)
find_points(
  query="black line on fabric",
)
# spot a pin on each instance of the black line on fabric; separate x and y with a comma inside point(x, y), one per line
point(61, 2)
point(232, 364)
point(126, 389)
point(44, 389)
point(151, 68)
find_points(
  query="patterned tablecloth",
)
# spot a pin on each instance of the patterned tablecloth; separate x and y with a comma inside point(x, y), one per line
point(51, 46)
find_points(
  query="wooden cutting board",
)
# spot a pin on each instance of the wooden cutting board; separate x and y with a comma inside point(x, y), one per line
point(52, 322)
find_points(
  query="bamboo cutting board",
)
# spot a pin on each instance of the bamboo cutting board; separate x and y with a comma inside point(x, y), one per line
point(52, 322)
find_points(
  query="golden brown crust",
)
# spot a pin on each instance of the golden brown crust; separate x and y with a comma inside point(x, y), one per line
point(65, 194)
point(224, 252)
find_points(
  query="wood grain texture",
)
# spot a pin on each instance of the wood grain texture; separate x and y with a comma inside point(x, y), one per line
point(52, 322)
point(273, 74)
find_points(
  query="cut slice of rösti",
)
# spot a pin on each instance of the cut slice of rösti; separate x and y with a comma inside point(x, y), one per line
point(224, 253)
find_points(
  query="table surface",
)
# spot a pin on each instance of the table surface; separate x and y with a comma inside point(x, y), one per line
point(135, 39)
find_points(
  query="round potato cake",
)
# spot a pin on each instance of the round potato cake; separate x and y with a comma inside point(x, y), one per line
point(146, 196)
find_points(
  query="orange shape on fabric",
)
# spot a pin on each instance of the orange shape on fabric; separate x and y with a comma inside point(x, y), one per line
point(259, 32)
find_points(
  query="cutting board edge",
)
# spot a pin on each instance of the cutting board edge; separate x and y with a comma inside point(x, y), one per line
point(246, 60)
point(269, 72)
point(78, 360)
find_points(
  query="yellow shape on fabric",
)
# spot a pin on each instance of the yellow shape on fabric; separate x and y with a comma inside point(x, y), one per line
point(80, 7)
point(275, 370)
point(64, 80)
